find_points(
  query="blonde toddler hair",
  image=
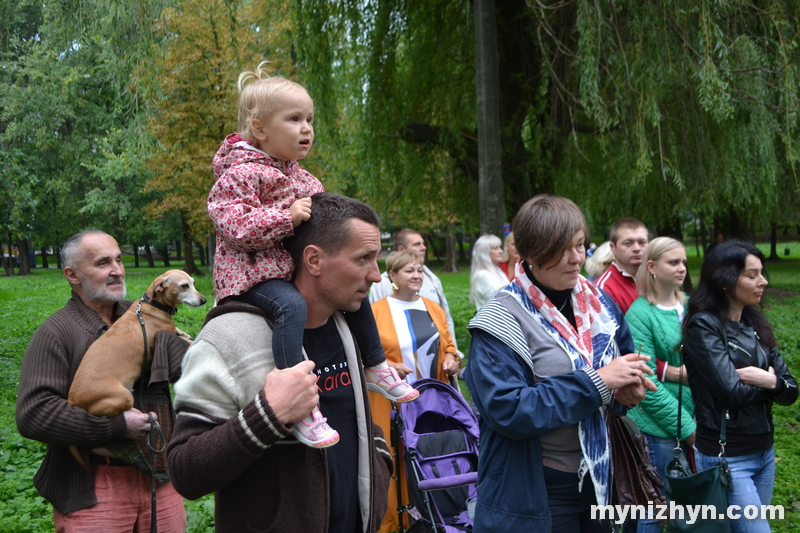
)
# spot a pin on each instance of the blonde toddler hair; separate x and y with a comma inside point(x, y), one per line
point(257, 91)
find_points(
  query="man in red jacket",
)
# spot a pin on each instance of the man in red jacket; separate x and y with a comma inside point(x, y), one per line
point(628, 241)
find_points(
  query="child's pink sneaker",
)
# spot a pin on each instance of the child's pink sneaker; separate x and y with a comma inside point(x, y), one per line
point(314, 431)
point(386, 382)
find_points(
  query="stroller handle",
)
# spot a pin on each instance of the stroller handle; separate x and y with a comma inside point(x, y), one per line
point(448, 482)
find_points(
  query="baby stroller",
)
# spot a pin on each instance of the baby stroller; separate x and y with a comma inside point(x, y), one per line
point(440, 434)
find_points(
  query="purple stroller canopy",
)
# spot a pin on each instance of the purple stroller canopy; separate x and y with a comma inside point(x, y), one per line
point(441, 411)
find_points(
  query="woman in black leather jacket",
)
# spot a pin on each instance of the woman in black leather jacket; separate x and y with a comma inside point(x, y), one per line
point(735, 370)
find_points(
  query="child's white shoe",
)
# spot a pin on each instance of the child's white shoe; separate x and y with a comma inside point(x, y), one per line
point(314, 431)
point(387, 382)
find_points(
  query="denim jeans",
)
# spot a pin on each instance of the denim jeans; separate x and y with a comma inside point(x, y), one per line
point(660, 454)
point(281, 300)
point(753, 479)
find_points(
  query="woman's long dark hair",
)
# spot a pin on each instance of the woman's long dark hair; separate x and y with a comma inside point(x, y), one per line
point(718, 278)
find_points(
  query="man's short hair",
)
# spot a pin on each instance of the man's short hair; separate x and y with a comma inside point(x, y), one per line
point(627, 223)
point(327, 227)
point(401, 237)
point(72, 246)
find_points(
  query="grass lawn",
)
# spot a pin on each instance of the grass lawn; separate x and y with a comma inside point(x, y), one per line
point(26, 301)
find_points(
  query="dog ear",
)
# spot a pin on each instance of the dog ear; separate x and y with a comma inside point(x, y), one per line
point(162, 286)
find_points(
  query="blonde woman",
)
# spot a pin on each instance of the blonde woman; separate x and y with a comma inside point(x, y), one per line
point(486, 276)
point(510, 256)
point(418, 345)
point(654, 319)
point(598, 262)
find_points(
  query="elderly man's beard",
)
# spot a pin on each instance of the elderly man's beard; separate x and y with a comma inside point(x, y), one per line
point(100, 292)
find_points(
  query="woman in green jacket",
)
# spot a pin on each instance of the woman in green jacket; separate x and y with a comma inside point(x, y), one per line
point(655, 322)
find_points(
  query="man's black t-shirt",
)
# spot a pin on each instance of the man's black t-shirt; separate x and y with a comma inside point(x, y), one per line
point(337, 403)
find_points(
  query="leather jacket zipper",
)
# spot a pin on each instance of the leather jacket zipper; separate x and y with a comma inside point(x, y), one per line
point(737, 347)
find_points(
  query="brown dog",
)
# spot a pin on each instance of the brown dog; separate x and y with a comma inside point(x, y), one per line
point(109, 369)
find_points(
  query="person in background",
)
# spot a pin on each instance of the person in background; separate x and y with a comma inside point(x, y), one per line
point(655, 321)
point(628, 241)
point(411, 240)
point(550, 353)
point(510, 256)
point(108, 494)
point(485, 276)
point(736, 371)
point(599, 261)
point(418, 345)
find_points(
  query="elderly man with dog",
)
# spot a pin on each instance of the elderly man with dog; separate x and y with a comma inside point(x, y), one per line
point(235, 410)
point(105, 494)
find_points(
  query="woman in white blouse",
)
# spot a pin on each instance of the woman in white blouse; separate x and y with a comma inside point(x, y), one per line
point(418, 345)
point(486, 276)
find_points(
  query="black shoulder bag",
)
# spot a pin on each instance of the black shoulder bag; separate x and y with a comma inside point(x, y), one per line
point(708, 487)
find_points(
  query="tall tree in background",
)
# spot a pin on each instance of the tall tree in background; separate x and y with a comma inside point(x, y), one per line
point(632, 108)
point(677, 108)
point(395, 93)
point(487, 80)
point(207, 44)
point(68, 106)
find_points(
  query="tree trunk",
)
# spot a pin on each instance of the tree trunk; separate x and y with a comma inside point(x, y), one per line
point(703, 233)
point(8, 261)
point(462, 255)
point(430, 239)
point(135, 255)
point(450, 261)
point(178, 251)
point(164, 251)
point(58, 258)
point(148, 254)
point(212, 249)
point(490, 176)
point(773, 243)
point(24, 257)
point(45, 262)
point(201, 253)
point(188, 264)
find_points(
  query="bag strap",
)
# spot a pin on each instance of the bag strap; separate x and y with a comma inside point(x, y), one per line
point(680, 401)
point(722, 423)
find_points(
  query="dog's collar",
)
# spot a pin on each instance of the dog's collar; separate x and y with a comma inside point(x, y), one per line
point(158, 305)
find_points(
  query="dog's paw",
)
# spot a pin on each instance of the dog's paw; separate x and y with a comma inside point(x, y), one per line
point(183, 335)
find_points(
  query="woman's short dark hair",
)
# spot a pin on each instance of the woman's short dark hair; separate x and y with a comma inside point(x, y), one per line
point(718, 278)
point(545, 226)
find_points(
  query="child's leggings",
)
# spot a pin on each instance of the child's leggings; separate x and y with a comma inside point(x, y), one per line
point(281, 300)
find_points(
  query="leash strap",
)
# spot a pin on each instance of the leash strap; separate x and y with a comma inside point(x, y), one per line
point(154, 428)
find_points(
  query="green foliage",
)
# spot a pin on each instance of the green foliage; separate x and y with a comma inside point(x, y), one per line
point(686, 107)
point(396, 112)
